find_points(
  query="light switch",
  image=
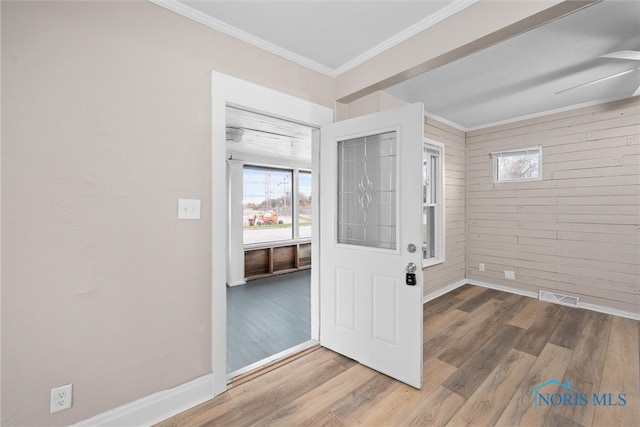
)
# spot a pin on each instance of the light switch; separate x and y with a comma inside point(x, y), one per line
point(188, 209)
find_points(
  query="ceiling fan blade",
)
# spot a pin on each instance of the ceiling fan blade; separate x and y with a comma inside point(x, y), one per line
point(633, 55)
point(599, 80)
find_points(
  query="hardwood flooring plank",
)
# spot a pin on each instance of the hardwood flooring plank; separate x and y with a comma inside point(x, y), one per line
point(581, 415)
point(551, 364)
point(436, 344)
point(617, 416)
point(538, 334)
point(439, 305)
point(570, 327)
point(402, 399)
point(588, 358)
point(314, 403)
point(459, 352)
point(487, 403)
point(476, 369)
point(361, 399)
point(468, 291)
point(528, 313)
point(436, 410)
point(433, 326)
point(278, 377)
point(622, 364)
point(270, 399)
point(555, 420)
point(475, 302)
point(596, 322)
point(463, 289)
point(586, 366)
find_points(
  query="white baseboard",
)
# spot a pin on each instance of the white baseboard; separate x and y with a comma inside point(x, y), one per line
point(237, 283)
point(587, 306)
point(156, 407)
point(503, 288)
point(607, 310)
point(442, 291)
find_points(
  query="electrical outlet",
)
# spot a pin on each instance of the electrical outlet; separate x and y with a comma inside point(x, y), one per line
point(481, 266)
point(508, 274)
point(61, 398)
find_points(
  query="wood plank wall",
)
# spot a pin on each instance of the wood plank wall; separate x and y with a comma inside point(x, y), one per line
point(453, 269)
point(575, 232)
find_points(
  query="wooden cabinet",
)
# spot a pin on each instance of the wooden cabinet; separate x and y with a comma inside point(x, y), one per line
point(265, 262)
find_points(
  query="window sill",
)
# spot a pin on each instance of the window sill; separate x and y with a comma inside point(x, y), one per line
point(276, 244)
point(432, 262)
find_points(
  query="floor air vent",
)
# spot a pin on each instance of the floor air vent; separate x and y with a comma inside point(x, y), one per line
point(558, 299)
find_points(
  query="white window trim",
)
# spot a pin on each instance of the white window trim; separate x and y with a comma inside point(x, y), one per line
point(505, 153)
point(440, 227)
point(228, 90)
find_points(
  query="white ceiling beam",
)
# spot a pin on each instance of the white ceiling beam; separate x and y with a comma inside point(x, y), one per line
point(474, 28)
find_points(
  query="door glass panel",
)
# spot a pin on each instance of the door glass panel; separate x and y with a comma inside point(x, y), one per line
point(367, 191)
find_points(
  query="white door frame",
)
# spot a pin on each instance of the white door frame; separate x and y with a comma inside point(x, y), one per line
point(228, 90)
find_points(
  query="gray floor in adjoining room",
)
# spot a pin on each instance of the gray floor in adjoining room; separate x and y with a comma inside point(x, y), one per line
point(267, 316)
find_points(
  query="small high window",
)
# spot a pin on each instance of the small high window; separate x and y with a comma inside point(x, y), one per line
point(517, 165)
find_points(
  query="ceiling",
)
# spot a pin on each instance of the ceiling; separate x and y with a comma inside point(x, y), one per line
point(517, 78)
point(253, 134)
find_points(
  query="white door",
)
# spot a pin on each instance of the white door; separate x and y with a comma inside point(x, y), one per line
point(371, 229)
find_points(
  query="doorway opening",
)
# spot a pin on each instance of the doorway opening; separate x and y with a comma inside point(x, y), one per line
point(269, 252)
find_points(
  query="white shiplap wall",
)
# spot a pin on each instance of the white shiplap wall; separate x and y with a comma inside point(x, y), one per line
point(575, 232)
point(453, 269)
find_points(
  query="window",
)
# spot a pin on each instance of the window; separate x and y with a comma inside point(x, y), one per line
point(266, 205)
point(432, 203)
point(270, 201)
point(517, 165)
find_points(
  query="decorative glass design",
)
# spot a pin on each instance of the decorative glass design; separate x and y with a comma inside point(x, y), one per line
point(367, 194)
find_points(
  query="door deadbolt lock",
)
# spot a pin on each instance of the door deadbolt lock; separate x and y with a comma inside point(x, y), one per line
point(411, 274)
point(411, 248)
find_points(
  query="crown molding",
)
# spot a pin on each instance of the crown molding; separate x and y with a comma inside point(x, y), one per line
point(445, 121)
point(546, 113)
point(406, 34)
point(202, 18)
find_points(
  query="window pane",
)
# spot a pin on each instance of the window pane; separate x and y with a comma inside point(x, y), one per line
point(429, 179)
point(518, 166)
point(428, 232)
point(266, 201)
point(304, 205)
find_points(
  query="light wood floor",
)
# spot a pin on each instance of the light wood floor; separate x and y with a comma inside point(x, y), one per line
point(484, 351)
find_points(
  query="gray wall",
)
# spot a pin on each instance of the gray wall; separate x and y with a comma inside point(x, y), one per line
point(106, 123)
